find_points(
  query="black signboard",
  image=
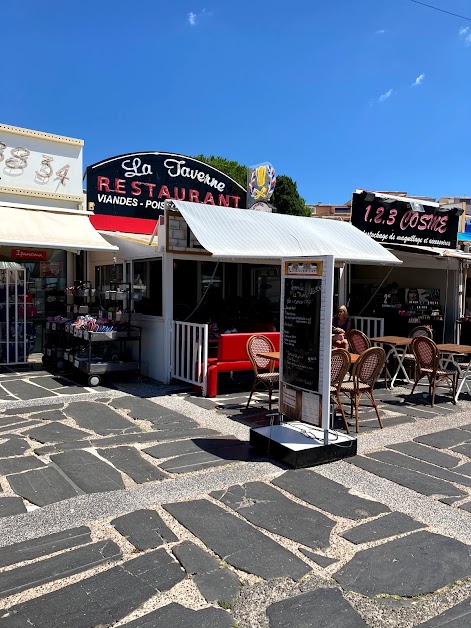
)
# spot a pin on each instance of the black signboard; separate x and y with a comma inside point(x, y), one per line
point(404, 222)
point(136, 185)
point(301, 332)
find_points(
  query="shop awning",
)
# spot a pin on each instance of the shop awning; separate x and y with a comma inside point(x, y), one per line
point(132, 245)
point(228, 232)
point(432, 250)
point(50, 228)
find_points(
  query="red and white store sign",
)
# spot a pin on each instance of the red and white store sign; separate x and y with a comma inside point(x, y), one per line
point(28, 254)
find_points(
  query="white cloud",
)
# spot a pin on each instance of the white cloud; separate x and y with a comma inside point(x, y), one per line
point(195, 18)
point(465, 35)
point(380, 32)
point(385, 96)
point(419, 80)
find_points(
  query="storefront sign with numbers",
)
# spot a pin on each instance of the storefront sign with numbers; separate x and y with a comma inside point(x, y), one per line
point(39, 164)
point(306, 336)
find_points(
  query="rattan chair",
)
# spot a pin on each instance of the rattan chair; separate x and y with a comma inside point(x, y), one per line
point(269, 378)
point(340, 363)
point(358, 341)
point(421, 330)
point(427, 364)
point(367, 370)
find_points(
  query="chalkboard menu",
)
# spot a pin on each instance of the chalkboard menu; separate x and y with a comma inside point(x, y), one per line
point(301, 332)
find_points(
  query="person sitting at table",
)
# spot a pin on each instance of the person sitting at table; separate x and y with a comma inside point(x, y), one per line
point(341, 325)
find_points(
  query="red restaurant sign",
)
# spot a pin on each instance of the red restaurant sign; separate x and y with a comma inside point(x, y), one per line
point(28, 254)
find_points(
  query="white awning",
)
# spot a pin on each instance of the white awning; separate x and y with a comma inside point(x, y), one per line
point(431, 250)
point(50, 228)
point(229, 232)
point(132, 245)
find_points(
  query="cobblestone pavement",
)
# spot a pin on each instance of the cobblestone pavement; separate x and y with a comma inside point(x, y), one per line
point(145, 506)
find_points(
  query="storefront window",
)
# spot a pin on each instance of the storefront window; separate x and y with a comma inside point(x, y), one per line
point(105, 275)
point(147, 287)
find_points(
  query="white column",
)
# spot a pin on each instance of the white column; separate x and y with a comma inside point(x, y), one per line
point(167, 311)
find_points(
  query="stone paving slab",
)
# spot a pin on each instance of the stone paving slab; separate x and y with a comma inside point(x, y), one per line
point(458, 616)
point(147, 410)
point(463, 449)
point(88, 472)
point(328, 495)
point(13, 446)
point(325, 608)
point(25, 390)
point(56, 567)
point(419, 563)
point(406, 462)
point(50, 415)
point(99, 418)
point(268, 508)
point(12, 421)
point(322, 561)
point(427, 454)
point(391, 524)
point(19, 464)
point(238, 543)
point(466, 506)
point(42, 486)
point(177, 616)
point(205, 460)
point(445, 439)
point(144, 529)
point(130, 461)
point(44, 545)
point(20, 427)
point(177, 448)
point(56, 433)
point(29, 409)
point(410, 479)
point(11, 506)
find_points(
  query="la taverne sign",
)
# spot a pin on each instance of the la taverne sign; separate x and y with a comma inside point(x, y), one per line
point(127, 192)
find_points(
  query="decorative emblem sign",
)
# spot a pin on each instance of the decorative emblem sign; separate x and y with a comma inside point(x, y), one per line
point(261, 183)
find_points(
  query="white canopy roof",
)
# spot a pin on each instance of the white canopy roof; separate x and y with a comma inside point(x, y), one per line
point(132, 245)
point(50, 228)
point(229, 232)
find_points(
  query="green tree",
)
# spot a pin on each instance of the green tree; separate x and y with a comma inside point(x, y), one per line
point(286, 198)
point(233, 169)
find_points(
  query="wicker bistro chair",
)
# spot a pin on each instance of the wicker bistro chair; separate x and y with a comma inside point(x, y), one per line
point(421, 330)
point(427, 360)
point(269, 378)
point(340, 363)
point(366, 372)
point(358, 341)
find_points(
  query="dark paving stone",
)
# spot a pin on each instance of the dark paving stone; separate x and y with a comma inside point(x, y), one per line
point(172, 420)
point(147, 410)
point(52, 383)
point(458, 616)
point(102, 599)
point(42, 486)
point(241, 545)
point(466, 506)
point(268, 508)
point(322, 561)
point(467, 427)
point(11, 506)
point(221, 585)
point(20, 426)
point(144, 529)
point(14, 446)
point(60, 566)
point(99, 418)
point(413, 565)
point(178, 448)
point(74, 390)
point(410, 479)
point(444, 439)
point(176, 616)
point(382, 528)
point(205, 460)
point(406, 462)
point(202, 402)
point(126, 439)
point(321, 607)
point(12, 421)
point(426, 454)
point(44, 545)
point(413, 410)
point(130, 461)
point(464, 469)
point(56, 433)
point(24, 390)
point(328, 495)
point(464, 449)
point(50, 415)
point(29, 409)
point(19, 464)
point(194, 559)
point(88, 472)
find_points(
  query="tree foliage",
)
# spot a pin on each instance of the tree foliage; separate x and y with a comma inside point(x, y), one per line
point(233, 169)
point(286, 198)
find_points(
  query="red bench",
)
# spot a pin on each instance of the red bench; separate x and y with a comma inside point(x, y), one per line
point(232, 356)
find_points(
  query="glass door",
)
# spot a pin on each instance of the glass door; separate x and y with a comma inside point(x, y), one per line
point(14, 339)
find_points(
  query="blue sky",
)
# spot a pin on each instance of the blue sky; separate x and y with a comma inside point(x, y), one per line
point(325, 90)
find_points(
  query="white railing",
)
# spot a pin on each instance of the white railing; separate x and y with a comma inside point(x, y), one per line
point(190, 353)
point(371, 327)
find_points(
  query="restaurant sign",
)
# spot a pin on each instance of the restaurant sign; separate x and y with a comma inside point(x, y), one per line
point(388, 220)
point(135, 186)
